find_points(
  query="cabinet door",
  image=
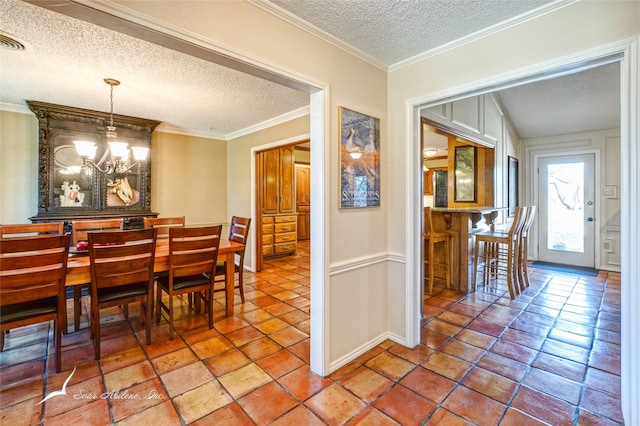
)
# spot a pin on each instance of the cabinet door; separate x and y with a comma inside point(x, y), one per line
point(270, 178)
point(303, 184)
point(287, 180)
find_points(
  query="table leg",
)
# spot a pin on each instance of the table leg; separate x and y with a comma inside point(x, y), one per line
point(229, 284)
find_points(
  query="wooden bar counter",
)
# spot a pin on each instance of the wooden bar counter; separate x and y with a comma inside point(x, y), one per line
point(460, 224)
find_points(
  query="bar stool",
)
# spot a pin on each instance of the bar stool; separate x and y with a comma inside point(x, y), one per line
point(431, 238)
point(500, 253)
point(523, 264)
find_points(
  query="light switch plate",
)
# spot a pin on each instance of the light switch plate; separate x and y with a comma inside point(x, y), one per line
point(609, 191)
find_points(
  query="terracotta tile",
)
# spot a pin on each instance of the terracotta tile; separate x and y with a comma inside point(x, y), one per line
point(476, 339)
point(243, 336)
point(288, 336)
point(334, 405)
point(404, 406)
point(344, 370)
point(506, 367)
point(137, 398)
point(162, 346)
point(186, 378)
point(371, 417)
point(601, 403)
point(543, 406)
point(271, 326)
point(603, 381)
point(463, 350)
point(302, 383)
point(173, 360)
point(490, 384)
point(244, 380)
point(455, 318)
point(415, 355)
point(78, 394)
point(370, 354)
point(256, 316)
point(443, 417)
point(474, 406)
point(95, 413)
point(117, 344)
point(278, 308)
point(260, 348)
point(27, 412)
point(565, 350)
point(560, 366)
point(210, 347)
point(163, 413)
point(128, 376)
point(294, 317)
point(446, 365)
point(514, 351)
point(267, 403)
point(605, 362)
point(570, 338)
point(228, 325)
point(587, 418)
point(280, 363)
point(365, 383)
point(390, 365)
point(554, 385)
point(226, 362)
point(442, 327)
point(428, 384)
point(201, 401)
point(12, 393)
point(229, 415)
point(301, 350)
point(520, 337)
point(122, 359)
point(514, 417)
point(27, 370)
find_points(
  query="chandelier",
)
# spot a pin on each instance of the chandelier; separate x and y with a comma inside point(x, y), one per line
point(119, 150)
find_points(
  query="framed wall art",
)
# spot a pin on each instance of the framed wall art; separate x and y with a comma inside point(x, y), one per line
point(465, 174)
point(359, 159)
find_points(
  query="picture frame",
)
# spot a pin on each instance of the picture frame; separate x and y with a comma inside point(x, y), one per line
point(359, 159)
point(512, 185)
point(465, 174)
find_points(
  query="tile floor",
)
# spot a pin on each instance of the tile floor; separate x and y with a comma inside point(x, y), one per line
point(552, 356)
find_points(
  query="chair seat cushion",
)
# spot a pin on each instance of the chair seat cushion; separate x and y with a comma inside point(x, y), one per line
point(20, 311)
point(181, 283)
point(122, 292)
point(221, 266)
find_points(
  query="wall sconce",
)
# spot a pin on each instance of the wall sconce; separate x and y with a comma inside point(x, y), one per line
point(119, 150)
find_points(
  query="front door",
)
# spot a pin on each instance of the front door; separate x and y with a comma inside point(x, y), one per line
point(567, 221)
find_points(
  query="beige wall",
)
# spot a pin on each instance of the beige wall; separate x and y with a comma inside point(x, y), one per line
point(189, 177)
point(18, 167)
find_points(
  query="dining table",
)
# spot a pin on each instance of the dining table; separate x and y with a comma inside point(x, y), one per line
point(79, 273)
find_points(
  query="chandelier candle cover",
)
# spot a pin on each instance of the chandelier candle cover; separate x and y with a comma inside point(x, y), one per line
point(119, 150)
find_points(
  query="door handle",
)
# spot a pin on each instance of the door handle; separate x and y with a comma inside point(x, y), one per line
point(589, 219)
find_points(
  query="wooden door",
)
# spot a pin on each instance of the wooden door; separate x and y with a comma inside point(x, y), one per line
point(303, 206)
point(270, 177)
point(287, 180)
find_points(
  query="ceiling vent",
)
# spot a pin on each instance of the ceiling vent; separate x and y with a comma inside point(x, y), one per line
point(10, 43)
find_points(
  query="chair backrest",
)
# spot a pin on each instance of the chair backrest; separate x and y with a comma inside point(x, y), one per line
point(193, 251)
point(31, 229)
point(239, 232)
point(122, 257)
point(428, 221)
point(33, 268)
point(163, 224)
point(518, 222)
point(531, 214)
point(80, 228)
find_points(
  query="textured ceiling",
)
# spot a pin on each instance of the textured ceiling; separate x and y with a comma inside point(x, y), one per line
point(392, 31)
point(66, 60)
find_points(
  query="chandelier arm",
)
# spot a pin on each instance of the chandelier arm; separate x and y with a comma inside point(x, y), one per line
point(86, 161)
point(128, 168)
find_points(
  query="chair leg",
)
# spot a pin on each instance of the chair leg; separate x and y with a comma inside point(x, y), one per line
point(58, 333)
point(170, 316)
point(447, 259)
point(2, 341)
point(77, 306)
point(510, 282)
point(476, 255)
point(431, 268)
point(241, 286)
point(96, 332)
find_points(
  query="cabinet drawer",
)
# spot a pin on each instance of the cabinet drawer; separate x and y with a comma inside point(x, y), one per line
point(283, 238)
point(267, 219)
point(267, 239)
point(267, 250)
point(267, 228)
point(303, 208)
point(285, 247)
point(285, 227)
point(283, 219)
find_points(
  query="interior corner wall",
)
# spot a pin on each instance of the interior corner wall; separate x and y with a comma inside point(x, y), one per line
point(607, 144)
point(18, 166)
point(189, 178)
point(239, 170)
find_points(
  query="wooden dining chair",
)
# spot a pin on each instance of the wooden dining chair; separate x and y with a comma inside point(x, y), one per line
point(499, 253)
point(431, 238)
point(523, 248)
point(193, 253)
point(33, 273)
point(238, 232)
point(80, 230)
point(163, 224)
point(121, 266)
point(31, 229)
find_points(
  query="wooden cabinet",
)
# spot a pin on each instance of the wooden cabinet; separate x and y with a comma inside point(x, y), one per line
point(279, 221)
point(428, 179)
point(303, 200)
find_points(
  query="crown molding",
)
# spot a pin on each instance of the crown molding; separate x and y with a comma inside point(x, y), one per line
point(291, 115)
point(19, 108)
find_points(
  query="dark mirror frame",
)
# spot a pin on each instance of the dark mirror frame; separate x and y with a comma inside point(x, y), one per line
point(59, 126)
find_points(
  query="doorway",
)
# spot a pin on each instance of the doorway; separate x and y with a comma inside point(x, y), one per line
point(567, 207)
